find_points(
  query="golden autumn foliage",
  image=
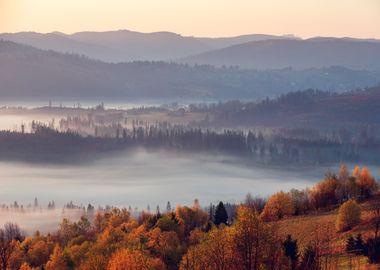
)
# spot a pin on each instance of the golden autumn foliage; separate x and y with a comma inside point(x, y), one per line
point(188, 238)
point(249, 244)
point(348, 215)
point(323, 194)
point(38, 253)
point(278, 206)
point(215, 251)
point(25, 266)
point(366, 183)
point(126, 259)
point(56, 261)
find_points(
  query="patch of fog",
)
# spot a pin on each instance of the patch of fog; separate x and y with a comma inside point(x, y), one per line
point(13, 122)
point(43, 220)
point(141, 178)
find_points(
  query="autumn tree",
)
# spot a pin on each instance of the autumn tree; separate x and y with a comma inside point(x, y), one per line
point(25, 266)
point(252, 239)
point(323, 194)
point(38, 254)
point(278, 206)
point(165, 244)
point(344, 189)
point(300, 201)
point(190, 218)
point(127, 259)
point(348, 215)
point(256, 202)
point(56, 261)
point(9, 235)
point(366, 183)
point(214, 252)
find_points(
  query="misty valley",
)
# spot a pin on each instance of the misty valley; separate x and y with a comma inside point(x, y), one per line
point(144, 156)
point(126, 150)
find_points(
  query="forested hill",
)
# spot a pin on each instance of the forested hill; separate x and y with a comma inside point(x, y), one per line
point(308, 108)
point(299, 54)
point(28, 72)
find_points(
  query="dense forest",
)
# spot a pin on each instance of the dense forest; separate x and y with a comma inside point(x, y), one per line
point(307, 109)
point(256, 234)
point(283, 146)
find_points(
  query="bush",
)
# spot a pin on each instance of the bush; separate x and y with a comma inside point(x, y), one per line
point(278, 206)
point(348, 215)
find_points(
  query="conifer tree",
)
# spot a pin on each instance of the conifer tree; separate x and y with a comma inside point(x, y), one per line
point(220, 215)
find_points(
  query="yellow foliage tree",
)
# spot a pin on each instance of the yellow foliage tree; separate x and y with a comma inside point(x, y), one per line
point(348, 215)
point(356, 172)
point(25, 266)
point(366, 183)
point(215, 252)
point(38, 253)
point(278, 206)
point(126, 259)
point(253, 241)
point(56, 261)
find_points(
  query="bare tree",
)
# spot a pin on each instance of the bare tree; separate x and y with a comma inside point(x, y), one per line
point(10, 233)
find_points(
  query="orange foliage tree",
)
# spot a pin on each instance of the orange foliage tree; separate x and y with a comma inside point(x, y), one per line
point(127, 259)
point(348, 215)
point(278, 206)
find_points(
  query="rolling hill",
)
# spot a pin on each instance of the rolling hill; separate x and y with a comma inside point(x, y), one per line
point(28, 72)
point(298, 54)
point(125, 45)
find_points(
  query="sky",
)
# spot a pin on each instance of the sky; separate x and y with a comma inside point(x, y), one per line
point(213, 18)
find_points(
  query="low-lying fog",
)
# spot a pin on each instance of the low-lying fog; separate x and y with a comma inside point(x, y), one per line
point(142, 178)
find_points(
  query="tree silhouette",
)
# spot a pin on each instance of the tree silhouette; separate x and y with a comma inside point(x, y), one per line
point(220, 215)
point(291, 250)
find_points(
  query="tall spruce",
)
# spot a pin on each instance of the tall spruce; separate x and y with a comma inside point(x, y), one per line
point(220, 215)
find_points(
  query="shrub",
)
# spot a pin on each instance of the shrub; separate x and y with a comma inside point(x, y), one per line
point(348, 215)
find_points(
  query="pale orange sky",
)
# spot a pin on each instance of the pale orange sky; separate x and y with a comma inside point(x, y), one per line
point(306, 18)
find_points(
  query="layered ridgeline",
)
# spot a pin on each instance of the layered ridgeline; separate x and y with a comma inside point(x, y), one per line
point(124, 45)
point(248, 51)
point(28, 72)
point(299, 54)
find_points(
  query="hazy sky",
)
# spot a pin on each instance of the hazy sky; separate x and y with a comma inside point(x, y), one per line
point(356, 18)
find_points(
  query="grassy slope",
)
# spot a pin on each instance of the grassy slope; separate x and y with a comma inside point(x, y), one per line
point(319, 229)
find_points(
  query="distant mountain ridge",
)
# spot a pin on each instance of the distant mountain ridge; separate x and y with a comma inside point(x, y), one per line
point(125, 45)
point(28, 72)
point(298, 54)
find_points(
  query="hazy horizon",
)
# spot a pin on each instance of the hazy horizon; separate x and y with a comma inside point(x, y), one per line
point(304, 19)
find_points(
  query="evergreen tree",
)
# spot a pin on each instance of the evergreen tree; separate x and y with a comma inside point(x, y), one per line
point(373, 250)
point(350, 244)
point(220, 215)
point(359, 244)
point(291, 250)
point(168, 207)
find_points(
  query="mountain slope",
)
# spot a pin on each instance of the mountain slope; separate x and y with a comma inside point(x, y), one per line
point(299, 54)
point(28, 72)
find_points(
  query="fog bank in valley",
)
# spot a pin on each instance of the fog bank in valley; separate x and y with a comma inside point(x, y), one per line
point(138, 179)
